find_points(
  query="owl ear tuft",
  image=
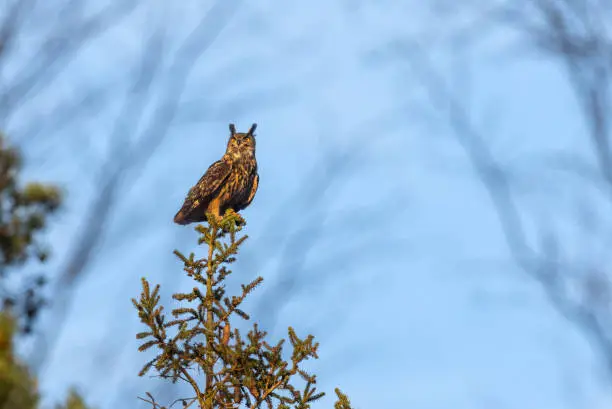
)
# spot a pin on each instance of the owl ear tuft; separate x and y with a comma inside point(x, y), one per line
point(232, 129)
point(253, 127)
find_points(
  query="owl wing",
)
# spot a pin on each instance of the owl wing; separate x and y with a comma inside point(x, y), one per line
point(253, 190)
point(202, 193)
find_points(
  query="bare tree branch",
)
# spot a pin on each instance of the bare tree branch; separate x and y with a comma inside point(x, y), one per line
point(9, 26)
point(126, 160)
point(55, 53)
point(335, 164)
point(96, 218)
point(562, 29)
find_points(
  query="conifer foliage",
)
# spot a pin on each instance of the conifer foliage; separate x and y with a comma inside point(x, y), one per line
point(24, 210)
point(18, 388)
point(199, 344)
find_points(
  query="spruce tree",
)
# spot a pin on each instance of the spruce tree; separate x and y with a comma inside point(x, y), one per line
point(200, 345)
point(18, 388)
point(24, 210)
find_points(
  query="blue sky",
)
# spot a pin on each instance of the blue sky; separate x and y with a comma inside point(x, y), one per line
point(398, 265)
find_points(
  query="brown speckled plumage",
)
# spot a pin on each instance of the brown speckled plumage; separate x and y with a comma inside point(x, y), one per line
point(229, 183)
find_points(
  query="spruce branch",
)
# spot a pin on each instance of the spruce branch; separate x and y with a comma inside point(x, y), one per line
point(343, 400)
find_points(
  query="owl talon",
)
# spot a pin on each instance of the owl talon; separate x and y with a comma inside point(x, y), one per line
point(237, 217)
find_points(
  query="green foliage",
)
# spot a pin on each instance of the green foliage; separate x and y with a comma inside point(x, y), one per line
point(23, 216)
point(343, 401)
point(18, 389)
point(73, 401)
point(24, 211)
point(236, 370)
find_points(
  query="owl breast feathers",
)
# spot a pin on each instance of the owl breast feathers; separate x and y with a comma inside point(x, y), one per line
point(229, 183)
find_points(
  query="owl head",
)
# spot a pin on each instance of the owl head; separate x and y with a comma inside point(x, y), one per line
point(241, 144)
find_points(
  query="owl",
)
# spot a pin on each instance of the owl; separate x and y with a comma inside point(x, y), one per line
point(229, 183)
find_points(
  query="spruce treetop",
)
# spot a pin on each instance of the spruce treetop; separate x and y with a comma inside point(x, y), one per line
point(199, 344)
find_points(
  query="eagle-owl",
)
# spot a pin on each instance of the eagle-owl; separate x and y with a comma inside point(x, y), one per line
point(229, 183)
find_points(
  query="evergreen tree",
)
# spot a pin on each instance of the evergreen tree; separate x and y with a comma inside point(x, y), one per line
point(200, 344)
point(24, 210)
point(18, 389)
point(23, 216)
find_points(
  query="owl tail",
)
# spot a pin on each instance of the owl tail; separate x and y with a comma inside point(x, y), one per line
point(181, 218)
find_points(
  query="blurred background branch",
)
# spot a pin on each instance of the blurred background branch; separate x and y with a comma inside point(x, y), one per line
point(577, 35)
point(127, 158)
